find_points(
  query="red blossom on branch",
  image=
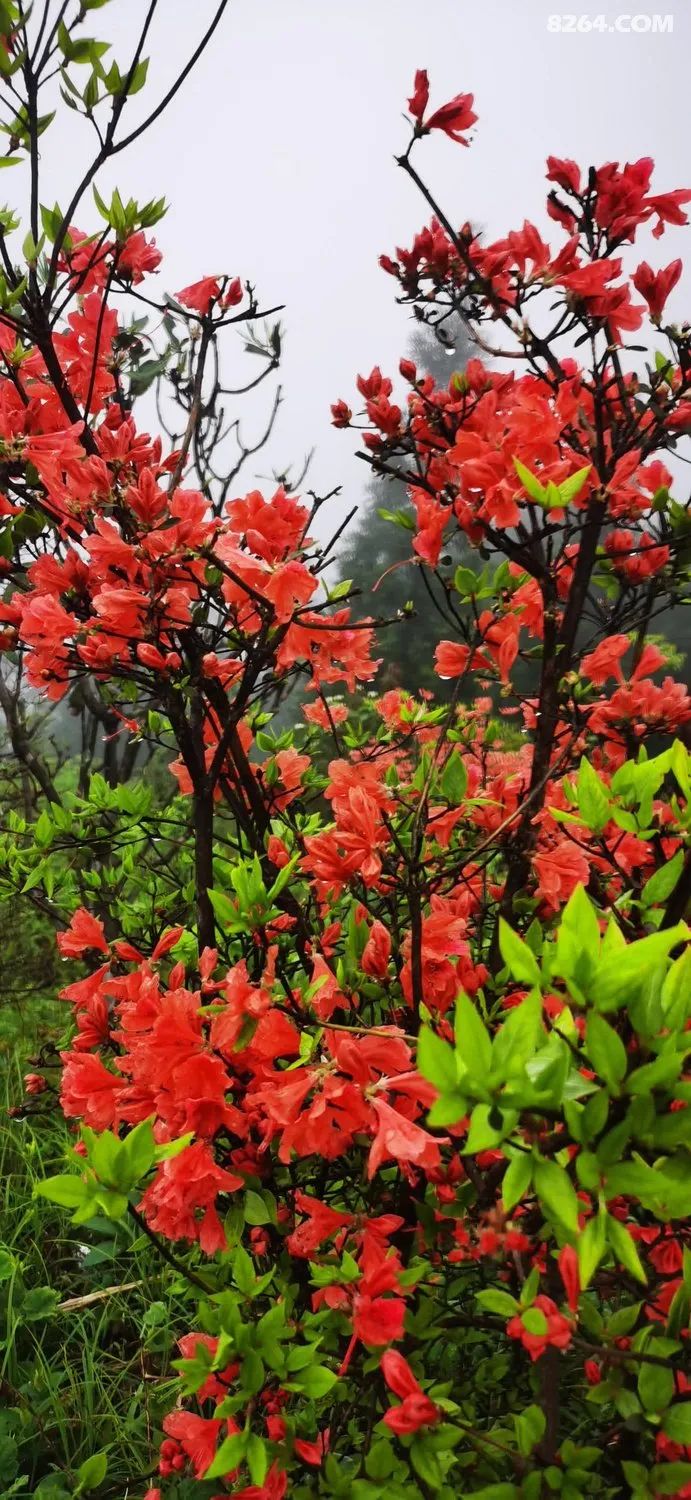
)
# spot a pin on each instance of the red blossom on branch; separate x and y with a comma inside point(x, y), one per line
point(454, 118)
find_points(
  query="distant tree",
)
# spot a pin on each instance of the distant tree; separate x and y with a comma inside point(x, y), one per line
point(377, 550)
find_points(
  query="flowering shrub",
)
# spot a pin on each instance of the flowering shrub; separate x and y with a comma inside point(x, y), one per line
point(380, 1032)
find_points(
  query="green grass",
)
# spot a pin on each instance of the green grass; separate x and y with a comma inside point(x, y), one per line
point(86, 1379)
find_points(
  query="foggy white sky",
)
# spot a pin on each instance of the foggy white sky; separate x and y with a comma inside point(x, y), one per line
point(277, 158)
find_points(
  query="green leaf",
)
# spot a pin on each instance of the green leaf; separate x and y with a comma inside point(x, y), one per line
point(669, 1479)
point(655, 1387)
point(380, 1461)
point(518, 1038)
point(592, 1244)
point(680, 764)
point(472, 1038)
point(497, 1301)
point(679, 1313)
point(620, 975)
point(52, 221)
point(283, 878)
point(448, 1110)
point(553, 498)
point(256, 1210)
point(579, 918)
point(676, 1423)
point(592, 797)
point(622, 1321)
point(399, 518)
point(256, 1458)
point(530, 1429)
point(138, 78)
point(340, 590)
point(636, 1476)
point(106, 1155)
point(101, 204)
point(571, 487)
point(145, 374)
point(69, 1192)
point(518, 957)
point(624, 1248)
point(676, 991)
point(436, 1061)
point(243, 1272)
point(517, 1179)
point(315, 1382)
point(606, 1051)
point(35, 877)
point(465, 582)
point(531, 485)
point(301, 1356)
point(229, 1456)
point(660, 885)
point(489, 1126)
point(534, 1321)
point(426, 1464)
point(530, 1287)
point(496, 1492)
point(9, 1463)
point(39, 1303)
point(252, 1373)
point(224, 909)
point(92, 1472)
point(557, 1194)
point(168, 1149)
point(454, 780)
point(8, 1263)
point(139, 1149)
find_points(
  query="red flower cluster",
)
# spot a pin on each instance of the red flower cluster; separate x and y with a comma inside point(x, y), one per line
point(548, 1328)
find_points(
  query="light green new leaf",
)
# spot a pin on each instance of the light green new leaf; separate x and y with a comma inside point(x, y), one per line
point(518, 957)
point(593, 797)
point(229, 1456)
point(579, 919)
point(662, 883)
point(624, 1249)
point(69, 1192)
point(436, 1061)
point(557, 1194)
point(606, 1051)
point(472, 1039)
point(571, 487)
point(516, 1180)
point(530, 483)
point(592, 1244)
point(496, 1301)
point(316, 1381)
point(620, 976)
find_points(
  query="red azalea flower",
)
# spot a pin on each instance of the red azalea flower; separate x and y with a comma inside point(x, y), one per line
point(415, 1410)
point(83, 934)
point(655, 286)
point(200, 295)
